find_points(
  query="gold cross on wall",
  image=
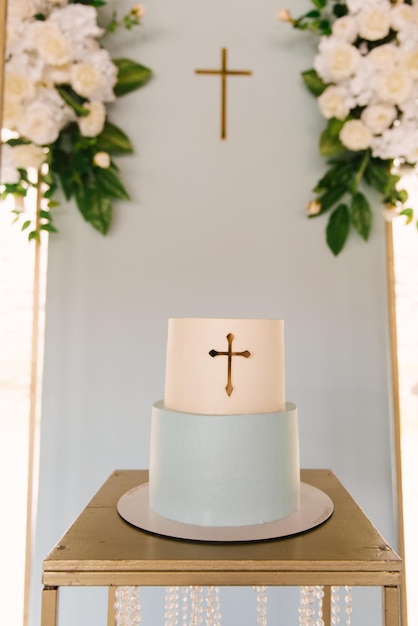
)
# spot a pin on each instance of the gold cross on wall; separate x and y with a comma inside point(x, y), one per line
point(224, 72)
point(230, 337)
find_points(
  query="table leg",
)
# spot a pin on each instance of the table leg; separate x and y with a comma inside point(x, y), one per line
point(326, 606)
point(49, 613)
point(111, 598)
point(391, 606)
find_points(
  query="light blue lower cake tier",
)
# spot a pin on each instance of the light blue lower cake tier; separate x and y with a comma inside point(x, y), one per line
point(224, 470)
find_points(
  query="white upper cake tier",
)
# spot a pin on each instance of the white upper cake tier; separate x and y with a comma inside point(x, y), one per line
point(225, 366)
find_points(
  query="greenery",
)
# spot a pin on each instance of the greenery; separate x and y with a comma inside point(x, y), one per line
point(80, 162)
point(357, 165)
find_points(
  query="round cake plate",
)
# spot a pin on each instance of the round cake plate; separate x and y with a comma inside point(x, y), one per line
point(315, 508)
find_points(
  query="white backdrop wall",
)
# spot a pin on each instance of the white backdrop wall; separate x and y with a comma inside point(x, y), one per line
point(214, 229)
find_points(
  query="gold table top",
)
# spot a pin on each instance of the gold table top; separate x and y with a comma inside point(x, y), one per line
point(100, 548)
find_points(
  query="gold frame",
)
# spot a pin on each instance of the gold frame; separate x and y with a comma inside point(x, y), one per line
point(393, 356)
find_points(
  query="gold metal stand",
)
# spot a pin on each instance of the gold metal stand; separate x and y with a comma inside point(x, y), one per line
point(100, 549)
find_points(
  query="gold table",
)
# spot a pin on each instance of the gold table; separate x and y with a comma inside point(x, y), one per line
point(100, 549)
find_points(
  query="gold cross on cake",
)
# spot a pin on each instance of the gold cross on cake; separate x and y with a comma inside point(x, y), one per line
point(229, 353)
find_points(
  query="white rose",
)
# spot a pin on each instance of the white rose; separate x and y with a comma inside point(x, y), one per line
point(411, 62)
point(138, 11)
point(95, 78)
point(384, 56)
point(92, 124)
point(337, 60)
point(390, 213)
point(333, 102)
point(394, 86)
point(28, 155)
point(374, 23)
point(17, 87)
point(13, 113)
point(345, 28)
point(284, 15)
point(401, 15)
point(51, 44)
point(77, 21)
point(39, 125)
point(355, 135)
point(102, 159)
point(378, 117)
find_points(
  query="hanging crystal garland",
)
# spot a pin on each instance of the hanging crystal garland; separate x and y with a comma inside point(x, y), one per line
point(335, 605)
point(308, 596)
point(171, 612)
point(196, 610)
point(319, 593)
point(261, 591)
point(127, 606)
point(184, 605)
point(348, 599)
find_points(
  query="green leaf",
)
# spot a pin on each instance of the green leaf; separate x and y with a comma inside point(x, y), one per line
point(340, 10)
point(49, 227)
point(113, 140)
point(26, 224)
point(403, 195)
point(409, 214)
point(331, 197)
point(95, 207)
point(110, 184)
point(361, 215)
point(131, 76)
point(72, 99)
point(338, 228)
point(341, 173)
point(313, 82)
point(377, 174)
point(329, 141)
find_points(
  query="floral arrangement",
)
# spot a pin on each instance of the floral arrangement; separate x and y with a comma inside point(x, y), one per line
point(56, 132)
point(365, 79)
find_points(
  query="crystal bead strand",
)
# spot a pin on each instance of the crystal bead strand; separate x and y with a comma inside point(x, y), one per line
point(217, 608)
point(307, 605)
point(319, 592)
point(196, 605)
point(348, 598)
point(127, 606)
point(335, 606)
point(171, 606)
point(184, 605)
point(210, 606)
point(261, 591)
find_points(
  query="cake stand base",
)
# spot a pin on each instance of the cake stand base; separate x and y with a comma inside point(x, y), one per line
point(315, 508)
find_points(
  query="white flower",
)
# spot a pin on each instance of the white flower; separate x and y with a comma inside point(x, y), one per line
point(333, 102)
point(374, 22)
point(102, 159)
point(389, 213)
point(384, 56)
point(355, 6)
point(92, 124)
point(313, 207)
point(355, 135)
point(411, 62)
point(17, 87)
point(378, 117)
point(337, 60)
point(402, 15)
point(95, 78)
point(13, 113)
point(38, 125)
point(345, 28)
point(394, 86)
point(51, 44)
point(28, 155)
point(77, 21)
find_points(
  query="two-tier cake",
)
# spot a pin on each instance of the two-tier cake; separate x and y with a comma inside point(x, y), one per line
point(224, 441)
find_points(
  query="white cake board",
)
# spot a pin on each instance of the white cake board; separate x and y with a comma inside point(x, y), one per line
point(315, 508)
